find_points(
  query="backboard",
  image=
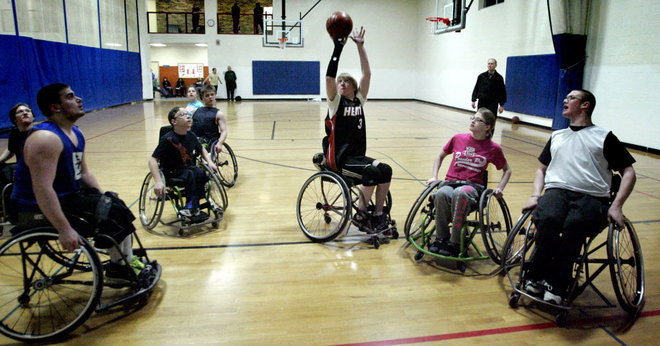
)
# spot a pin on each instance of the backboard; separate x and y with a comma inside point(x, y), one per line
point(276, 29)
point(454, 10)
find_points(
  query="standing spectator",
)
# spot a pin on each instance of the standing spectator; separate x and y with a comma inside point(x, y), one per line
point(230, 82)
point(180, 87)
point(213, 79)
point(490, 89)
point(235, 16)
point(258, 18)
point(195, 17)
point(168, 87)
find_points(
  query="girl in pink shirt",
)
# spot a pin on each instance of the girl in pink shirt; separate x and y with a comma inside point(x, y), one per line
point(464, 182)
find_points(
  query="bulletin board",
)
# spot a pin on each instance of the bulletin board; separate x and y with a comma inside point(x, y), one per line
point(191, 70)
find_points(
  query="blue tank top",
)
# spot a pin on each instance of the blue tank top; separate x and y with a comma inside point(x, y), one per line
point(67, 177)
point(204, 125)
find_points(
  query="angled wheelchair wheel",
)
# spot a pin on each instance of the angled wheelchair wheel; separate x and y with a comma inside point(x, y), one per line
point(215, 193)
point(150, 205)
point(519, 241)
point(41, 299)
point(495, 221)
point(420, 222)
point(324, 207)
point(626, 267)
point(227, 165)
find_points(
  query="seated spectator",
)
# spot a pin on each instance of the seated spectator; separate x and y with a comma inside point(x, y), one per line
point(168, 87)
point(176, 154)
point(180, 87)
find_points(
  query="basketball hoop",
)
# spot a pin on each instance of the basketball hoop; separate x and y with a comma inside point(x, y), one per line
point(282, 42)
point(437, 23)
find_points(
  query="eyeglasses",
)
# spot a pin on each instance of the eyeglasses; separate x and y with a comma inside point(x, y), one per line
point(571, 98)
point(182, 114)
point(473, 118)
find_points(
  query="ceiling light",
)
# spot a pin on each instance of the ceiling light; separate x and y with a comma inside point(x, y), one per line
point(158, 44)
point(201, 45)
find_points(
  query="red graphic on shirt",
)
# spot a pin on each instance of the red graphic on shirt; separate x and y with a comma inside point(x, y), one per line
point(185, 157)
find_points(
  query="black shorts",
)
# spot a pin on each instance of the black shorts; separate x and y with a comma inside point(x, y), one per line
point(85, 212)
point(366, 170)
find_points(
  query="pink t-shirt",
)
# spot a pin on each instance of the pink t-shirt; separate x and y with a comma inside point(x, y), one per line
point(471, 157)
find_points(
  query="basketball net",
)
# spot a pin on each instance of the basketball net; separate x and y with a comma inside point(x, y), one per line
point(282, 42)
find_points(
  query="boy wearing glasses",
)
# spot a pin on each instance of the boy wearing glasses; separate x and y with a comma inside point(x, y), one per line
point(576, 172)
point(177, 152)
point(464, 182)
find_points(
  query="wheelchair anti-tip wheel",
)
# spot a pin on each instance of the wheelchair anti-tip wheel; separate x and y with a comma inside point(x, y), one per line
point(150, 205)
point(227, 165)
point(626, 267)
point(42, 299)
point(324, 207)
point(495, 223)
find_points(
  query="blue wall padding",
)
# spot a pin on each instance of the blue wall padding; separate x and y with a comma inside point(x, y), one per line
point(102, 77)
point(531, 84)
point(286, 77)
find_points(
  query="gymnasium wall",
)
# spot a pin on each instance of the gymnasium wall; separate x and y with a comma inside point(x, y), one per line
point(622, 67)
point(409, 62)
point(93, 48)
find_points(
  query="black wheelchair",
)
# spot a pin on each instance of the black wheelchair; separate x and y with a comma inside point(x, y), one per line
point(621, 252)
point(492, 220)
point(47, 292)
point(327, 201)
point(150, 205)
point(226, 163)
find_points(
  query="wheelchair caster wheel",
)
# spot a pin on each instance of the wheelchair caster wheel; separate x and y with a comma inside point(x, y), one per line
point(182, 232)
point(514, 299)
point(460, 265)
point(215, 224)
point(376, 243)
point(418, 256)
point(561, 318)
point(395, 234)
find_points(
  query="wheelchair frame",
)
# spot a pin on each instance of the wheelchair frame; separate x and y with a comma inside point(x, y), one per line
point(151, 216)
point(48, 292)
point(334, 195)
point(420, 228)
point(629, 292)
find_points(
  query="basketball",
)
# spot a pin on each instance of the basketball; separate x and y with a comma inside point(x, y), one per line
point(515, 120)
point(339, 25)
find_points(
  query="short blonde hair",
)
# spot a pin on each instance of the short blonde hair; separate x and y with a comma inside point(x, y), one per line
point(347, 77)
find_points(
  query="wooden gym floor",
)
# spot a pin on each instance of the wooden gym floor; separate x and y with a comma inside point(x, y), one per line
point(258, 280)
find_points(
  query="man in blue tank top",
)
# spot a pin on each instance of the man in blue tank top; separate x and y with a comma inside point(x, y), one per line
point(209, 123)
point(52, 171)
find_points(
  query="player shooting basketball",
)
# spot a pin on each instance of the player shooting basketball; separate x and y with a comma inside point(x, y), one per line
point(345, 145)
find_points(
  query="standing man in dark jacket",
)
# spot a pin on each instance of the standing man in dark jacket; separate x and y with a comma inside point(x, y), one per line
point(490, 89)
point(230, 82)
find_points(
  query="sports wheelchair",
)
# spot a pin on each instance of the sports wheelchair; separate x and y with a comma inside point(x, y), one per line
point(151, 205)
point(622, 254)
point(492, 219)
point(326, 202)
point(47, 292)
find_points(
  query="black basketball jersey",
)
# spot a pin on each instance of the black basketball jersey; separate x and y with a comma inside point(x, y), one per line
point(346, 131)
point(204, 124)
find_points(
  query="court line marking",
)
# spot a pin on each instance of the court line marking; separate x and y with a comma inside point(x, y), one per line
point(487, 332)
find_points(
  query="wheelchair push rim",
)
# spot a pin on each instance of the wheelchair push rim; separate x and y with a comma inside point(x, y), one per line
point(42, 299)
point(626, 267)
point(150, 205)
point(323, 207)
point(227, 165)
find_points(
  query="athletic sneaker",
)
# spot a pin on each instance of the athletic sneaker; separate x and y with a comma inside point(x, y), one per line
point(551, 298)
point(185, 212)
point(118, 272)
point(362, 222)
point(380, 222)
point(535, 287)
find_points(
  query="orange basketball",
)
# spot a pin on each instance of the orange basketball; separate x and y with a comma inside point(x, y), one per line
point(339, 25)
